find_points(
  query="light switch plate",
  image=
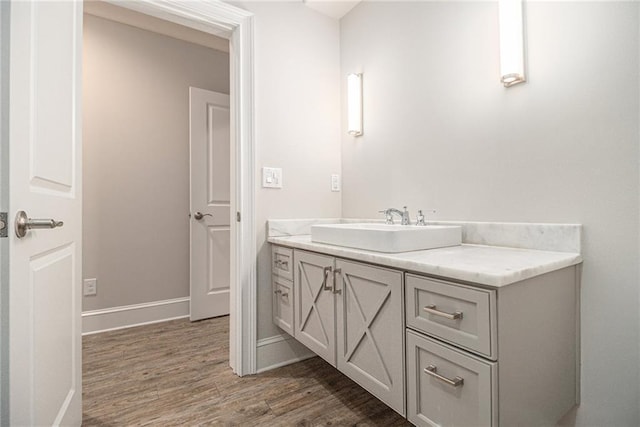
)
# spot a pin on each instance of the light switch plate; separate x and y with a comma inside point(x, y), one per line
point(271, 177)
point(335, 182)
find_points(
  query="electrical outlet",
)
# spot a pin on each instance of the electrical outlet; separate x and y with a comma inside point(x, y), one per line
point(335, 182)
point(90, 287)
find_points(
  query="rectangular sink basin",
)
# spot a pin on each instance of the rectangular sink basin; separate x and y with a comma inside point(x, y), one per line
point(387, 237)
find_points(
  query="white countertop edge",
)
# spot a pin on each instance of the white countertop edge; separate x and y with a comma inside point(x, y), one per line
point(485, 265)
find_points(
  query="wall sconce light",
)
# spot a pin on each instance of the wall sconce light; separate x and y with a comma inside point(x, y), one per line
point(354, 104)
point(511, 42)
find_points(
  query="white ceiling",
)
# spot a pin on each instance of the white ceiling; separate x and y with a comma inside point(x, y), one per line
point(333, 8)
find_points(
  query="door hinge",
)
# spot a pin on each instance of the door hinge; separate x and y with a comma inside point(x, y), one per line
point(4, 225)
point(237, 216)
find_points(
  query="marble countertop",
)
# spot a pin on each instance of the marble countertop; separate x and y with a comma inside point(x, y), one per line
point(492, 266)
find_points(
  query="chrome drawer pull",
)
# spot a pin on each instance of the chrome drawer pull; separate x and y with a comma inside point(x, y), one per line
point(327, 271)
point(279, 292)
point(433, 371)
point(282, 264)
point(432, 310)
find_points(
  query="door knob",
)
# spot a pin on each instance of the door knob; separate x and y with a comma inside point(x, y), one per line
point(200, 215)
point(23, 223)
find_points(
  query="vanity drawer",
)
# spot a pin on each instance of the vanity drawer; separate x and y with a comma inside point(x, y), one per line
point(282, 303)
point(447, 387)
point(282, 261)
point(462, 315)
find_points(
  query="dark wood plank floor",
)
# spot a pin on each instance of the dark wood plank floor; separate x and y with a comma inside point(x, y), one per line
point(176, 373)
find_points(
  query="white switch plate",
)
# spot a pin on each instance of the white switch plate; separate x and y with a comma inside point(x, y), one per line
point(335, 182)
point(90, 287)
point(271, 177)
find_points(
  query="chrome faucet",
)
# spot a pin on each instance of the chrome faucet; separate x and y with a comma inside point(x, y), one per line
point(420, 218)
point(388, 215)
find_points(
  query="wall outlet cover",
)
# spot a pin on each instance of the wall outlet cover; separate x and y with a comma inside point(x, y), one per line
point(335, 182)
point(90, 287)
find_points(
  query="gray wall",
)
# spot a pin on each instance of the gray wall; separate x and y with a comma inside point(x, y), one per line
point(440, 132)
point(136, 159)
point(297, 127)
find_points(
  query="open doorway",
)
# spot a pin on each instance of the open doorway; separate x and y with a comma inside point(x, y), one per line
point(138, 73)
point(46, 55)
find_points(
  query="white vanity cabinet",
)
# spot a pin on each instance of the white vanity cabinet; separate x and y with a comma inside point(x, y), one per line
point(470, 354)
point(350, 314)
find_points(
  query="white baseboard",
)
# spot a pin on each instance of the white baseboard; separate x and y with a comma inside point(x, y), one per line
point(280, 350)
point(113, 318)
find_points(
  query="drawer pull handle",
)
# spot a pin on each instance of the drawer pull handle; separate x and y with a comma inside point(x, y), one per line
point(327, 271)
point(282, 264)
point(451, 316)
point(279, 292)
point(433, 371)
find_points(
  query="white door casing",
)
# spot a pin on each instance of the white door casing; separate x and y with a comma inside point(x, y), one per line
point(45, 181)
point(209, 197)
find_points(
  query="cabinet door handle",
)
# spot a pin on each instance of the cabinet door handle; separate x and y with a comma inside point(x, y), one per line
point(335, 281)
point(279, 292)
point(431, 309)
point(433, 371)
point(327, 271)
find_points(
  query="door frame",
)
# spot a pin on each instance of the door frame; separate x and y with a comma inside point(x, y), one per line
point(4, 207)
point(235, 25)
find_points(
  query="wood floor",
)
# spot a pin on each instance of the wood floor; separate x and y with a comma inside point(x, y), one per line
point(176, 374)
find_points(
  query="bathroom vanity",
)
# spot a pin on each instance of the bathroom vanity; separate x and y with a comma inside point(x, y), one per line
point(464, 335)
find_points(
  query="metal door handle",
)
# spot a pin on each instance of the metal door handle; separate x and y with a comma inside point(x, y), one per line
point(327, 271)
point(200, 215)
point(23, 224)
point(335, 281)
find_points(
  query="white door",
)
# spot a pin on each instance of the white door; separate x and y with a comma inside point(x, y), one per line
point(45, 182)
point(210, 228)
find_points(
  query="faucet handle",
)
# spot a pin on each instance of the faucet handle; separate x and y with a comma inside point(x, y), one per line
point(405, 216)
point(388, 218)
point(420, 218)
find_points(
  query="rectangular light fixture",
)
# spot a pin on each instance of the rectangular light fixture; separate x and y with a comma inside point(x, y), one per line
point(511, 42)
point(354, 104)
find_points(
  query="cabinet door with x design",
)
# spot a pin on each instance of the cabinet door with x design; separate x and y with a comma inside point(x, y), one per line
point(314, 303)
point(370, 338)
